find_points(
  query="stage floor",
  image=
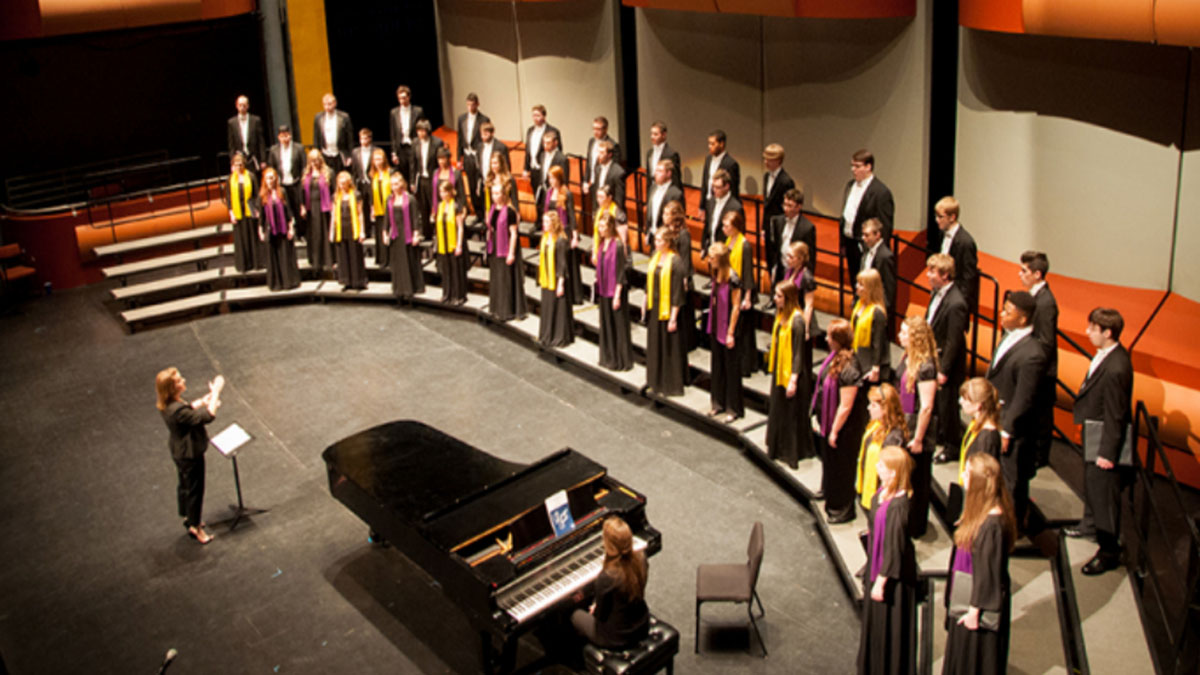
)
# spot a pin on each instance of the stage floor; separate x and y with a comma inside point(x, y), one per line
point(99, 576)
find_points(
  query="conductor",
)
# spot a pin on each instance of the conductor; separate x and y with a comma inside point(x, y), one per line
point(189, 440)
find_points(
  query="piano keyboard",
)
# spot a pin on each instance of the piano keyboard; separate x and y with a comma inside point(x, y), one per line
point(559, 579)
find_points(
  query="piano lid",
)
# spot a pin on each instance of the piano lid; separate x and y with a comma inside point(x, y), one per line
point(413, 469)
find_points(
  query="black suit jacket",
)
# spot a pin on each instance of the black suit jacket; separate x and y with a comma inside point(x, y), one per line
point(345, 133)
point(673, 194)
point(876, 202)
point(667, 153)
point(1107, 395)
point(435, 144)
point(1016, 376)
point(474, 166)
point(773, 203)
point(361, 177)
point(949, 327)
point(539, 151)
point(966, 266)
point(189, 438)
point(587, 164)
point(275, 161)
point(397, 129)
point(256, 144)
point(614, 181)
point(804, 231)
point(729, 164)
point(716, 233)
point(885, 262)
point(1045, 327)
point(463, 141)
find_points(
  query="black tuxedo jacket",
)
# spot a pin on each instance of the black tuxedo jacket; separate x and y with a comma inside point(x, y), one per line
point(356, 164)
point(876, 203)
point(463, 141)
point(560, 160)
point(712, 224)
point(275, 161)
point(345, 130)
point(256, 144)
point(614, 181)
point(949, 327)
point(1045, 327)
point(966, 266)
point(539, 151)
point(773, 203)
point(885, 262)
point(673, 194)
point(435, 144)
point(397, 129)
point(729, 164)
point(1016, 376)
point(667, 153)
point(587, 164)
point(804, 231)
point(1107, 395)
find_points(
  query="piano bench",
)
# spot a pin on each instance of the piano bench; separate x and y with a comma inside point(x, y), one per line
point(656, 652)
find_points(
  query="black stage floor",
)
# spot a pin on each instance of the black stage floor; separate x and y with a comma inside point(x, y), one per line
point(99, 576)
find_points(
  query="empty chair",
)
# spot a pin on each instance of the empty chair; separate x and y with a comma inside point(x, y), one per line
point(15, 265)
point(735, 582)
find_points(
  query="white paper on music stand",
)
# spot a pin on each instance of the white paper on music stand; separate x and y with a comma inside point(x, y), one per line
point(230, 439)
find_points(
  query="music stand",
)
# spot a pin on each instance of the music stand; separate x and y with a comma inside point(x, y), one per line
point(227, 442)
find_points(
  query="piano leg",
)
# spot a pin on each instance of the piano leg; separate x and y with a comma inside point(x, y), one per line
point(498, 661)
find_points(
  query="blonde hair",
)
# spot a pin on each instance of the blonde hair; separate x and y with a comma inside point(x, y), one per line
point(164, 387)
point(921, 349)
point(980, 391)
point(893, 411)
point(799, 251)
point(985, 491)
point(872, 287)
point(901, 463)
point(719, 254)
point(553, 225)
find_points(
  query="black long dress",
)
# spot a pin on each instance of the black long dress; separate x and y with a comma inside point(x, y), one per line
point(557, 325)
point(382, 183)
point(451, 267)
point(408, 279)
point(747, 345)
point(351, 267)
point(320, 253)
point(246, 246)
point(688, 335)
point(887, 645)
point(840, 463)
point(574, 285)
point(666, 360)
point(506, 283)
point(877, 351)
point(789, 435)
point(283, 272)
point(982, 651)
point(922, 473)
point(725, 389)
point(616, 346)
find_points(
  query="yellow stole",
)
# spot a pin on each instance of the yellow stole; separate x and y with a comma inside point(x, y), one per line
point(355, 218)
point(664, 283)
point(381, 187)
point(610, 209)
point(447, 232)
point(735, 254)
point(547, 274)
point(862, 318)
point(968, 439)
point(239, 201)
point(868, 455)
point(781, 348)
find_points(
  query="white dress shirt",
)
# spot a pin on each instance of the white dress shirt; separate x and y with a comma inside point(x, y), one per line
point(1098, 359)
point(771, 176)
point(656, 156)
point(870, 255)
point(405, 123)
point(424, 155)
point(244, 125)
point(1011, 338)
point(470, 132)
point(331, 133)
point(656, 202)
point(714, 166)
point(535, 145)
point(714, 218)
point(853, 200)
point(285, 164)
point(948, 237)
point(935, 302)
point(785, 238)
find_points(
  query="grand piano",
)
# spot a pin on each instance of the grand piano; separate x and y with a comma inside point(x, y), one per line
point(480, 525)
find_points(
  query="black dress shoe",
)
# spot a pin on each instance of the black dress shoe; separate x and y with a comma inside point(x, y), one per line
point(942, 458)
point(1101, 563)
point(840, 518)
point(1075, 532)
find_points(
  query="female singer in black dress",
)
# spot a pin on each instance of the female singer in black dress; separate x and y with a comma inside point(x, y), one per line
point(887, 427)
point(980, 402)
point(724, 308)
point(610, 259)
point(446, 173)
point(797, 272)
point(888, 642)
point(606, 205)
point(869, 319)
point(789, 435)
point(380, 176)
point(840, 407)
point(918, 387)
point(402, 236)
point(317, 185)
point(346, 234)
point(741, 258)
point(506, 269)
point(558, 199)
point(557, 320)
point(675, 220)
point(277, 229)
point(242, 199)
point(448, 219)
point(982, 541)
point(666, 360)
point(619, 616)
point(189, 440)
point(500, 175)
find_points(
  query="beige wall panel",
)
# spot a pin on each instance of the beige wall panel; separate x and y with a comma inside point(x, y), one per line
point(699, 72)
point(480, 56)
point(1067, 146)
point(833, 87)
point(1186, 279)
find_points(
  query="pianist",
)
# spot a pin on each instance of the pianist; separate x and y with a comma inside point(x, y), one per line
point(619, 615)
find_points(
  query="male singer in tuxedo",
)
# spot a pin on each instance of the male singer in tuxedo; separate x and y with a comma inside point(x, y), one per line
point(245, 135)
point(1104, 408)
point(551, 156)
point(599, 138)
point(360, 165)
point(608, 172)
point(723, 200)
point(287, 158)
point(1032, 273)
point(535, 146)
point(877, 256)
point(960, 245)
point(787, 228)
point(423, 163)
point(480, 160)
point(660, 150)
point(947, 317)
point(403, 123)
point(776, 182)
point(333, 134)
point(718, 160)
point(1017, 368)
point(469, 129)
point(661, 192)
point(865, 197)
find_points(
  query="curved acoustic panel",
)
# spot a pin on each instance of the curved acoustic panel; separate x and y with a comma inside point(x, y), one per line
point(21, 19)
point(1177, 22)
point(1101, 19)
point(812, 9)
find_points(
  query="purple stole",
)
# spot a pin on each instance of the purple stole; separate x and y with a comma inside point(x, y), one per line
point(879, 532)
point(718, 306)
point(497, 243)
point(276, 222)
point(406, 209)
point(324, 184)
point(606, 270)
point(549, 204)
point(827, 394)
point(453, 181)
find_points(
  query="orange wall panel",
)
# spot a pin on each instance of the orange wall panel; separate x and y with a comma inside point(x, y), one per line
point(1177, 22)
point(996, 15)
point(814, 9)
point(1100, 19)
